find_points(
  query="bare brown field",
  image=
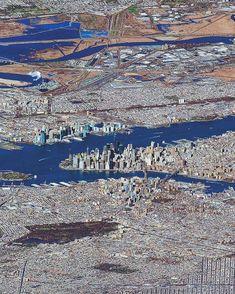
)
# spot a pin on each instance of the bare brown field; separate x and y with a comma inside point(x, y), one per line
point(9, 29)
point(220, 24)
point(226, 73)
point(13, 83)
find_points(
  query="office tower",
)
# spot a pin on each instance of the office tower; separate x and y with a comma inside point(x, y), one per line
point(75, 161)
point(51, 135)
point(60, 134)
point(42, 138)
point(84, 133)
point(107, 166)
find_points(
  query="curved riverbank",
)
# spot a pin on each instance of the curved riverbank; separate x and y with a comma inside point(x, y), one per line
point(95, 49)
point(5, 145)
point(22, 52)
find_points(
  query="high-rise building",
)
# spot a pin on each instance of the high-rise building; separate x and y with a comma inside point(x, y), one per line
point(42, 138)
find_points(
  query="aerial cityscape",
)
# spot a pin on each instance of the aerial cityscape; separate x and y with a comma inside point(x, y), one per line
point(117, 146)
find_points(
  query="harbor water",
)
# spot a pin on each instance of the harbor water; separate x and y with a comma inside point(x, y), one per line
point(44, 161)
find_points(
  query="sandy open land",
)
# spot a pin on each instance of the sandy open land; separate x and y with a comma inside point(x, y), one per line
point(226, 73)
point(217, 25)
point(13, 83)
point(11, 29)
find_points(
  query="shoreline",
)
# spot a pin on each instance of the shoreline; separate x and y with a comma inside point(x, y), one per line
point(9, 146)
point(11, 176)
point(187, 126)
point(130, 127)
point(149, 171)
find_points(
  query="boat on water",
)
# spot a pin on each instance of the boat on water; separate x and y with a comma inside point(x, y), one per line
point(66, 141)
point(77, 138)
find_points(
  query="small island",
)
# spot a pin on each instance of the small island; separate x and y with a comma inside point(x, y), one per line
point(14, 176)
point(5, 145)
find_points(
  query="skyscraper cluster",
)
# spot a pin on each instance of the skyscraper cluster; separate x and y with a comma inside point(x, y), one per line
point(117, 157)
point(76, 130)
point(134, 188)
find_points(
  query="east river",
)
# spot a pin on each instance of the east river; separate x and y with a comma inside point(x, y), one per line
point(44, 161)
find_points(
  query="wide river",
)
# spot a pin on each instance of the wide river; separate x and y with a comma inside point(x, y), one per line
point(44, 161)
point(24, 52)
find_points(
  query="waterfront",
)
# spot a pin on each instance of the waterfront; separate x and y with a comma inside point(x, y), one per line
point(27, 80)
point(44, 161)
point(23, 52)
point(59, 31)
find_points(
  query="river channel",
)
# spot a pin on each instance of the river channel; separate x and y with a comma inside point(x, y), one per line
point(44, 161)
point(25, 52)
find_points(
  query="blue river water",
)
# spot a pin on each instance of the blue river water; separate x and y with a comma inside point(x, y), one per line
point(44, 161)
point(164, 28)
point(30, 21)
point(95, 49)
point(52, 31)
point(25, 52)
point(23, 78)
